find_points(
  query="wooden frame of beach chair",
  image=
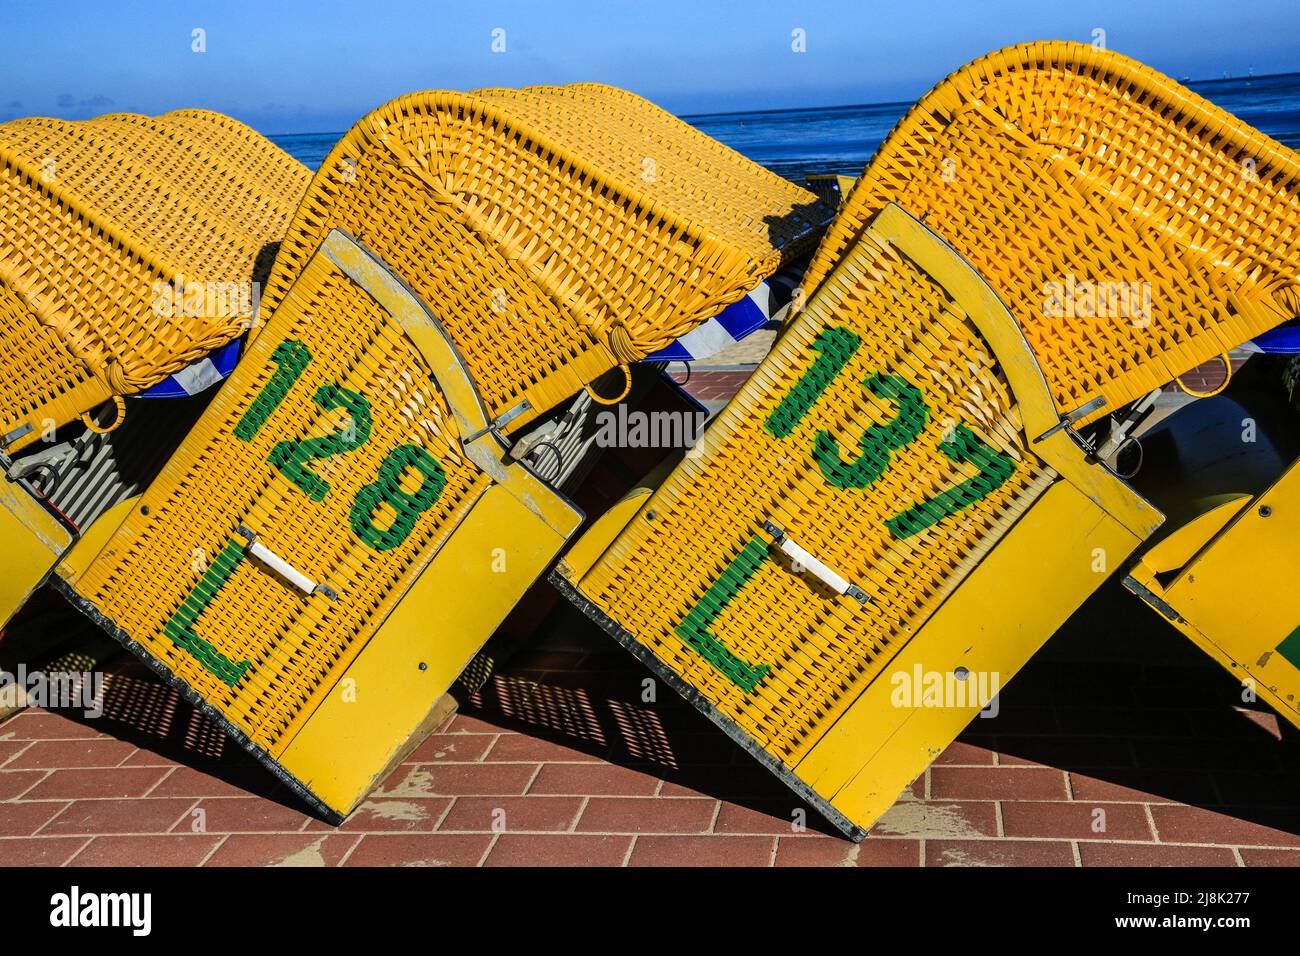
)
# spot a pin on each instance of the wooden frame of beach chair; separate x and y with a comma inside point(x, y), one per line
point(888, 504)
point(906, 489)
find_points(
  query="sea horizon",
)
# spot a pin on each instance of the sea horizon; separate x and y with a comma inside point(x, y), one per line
point(797, 142)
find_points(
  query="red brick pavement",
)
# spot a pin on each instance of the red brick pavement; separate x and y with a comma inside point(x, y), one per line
point(557, 761)
point(710, 385)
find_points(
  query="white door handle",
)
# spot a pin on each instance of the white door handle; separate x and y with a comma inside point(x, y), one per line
point(283, 568)
point(819, 569)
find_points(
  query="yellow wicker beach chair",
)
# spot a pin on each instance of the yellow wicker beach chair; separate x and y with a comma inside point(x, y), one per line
point(343, 529)
point(870, 540)
point(130, 246)
point(102, 222)
point(1133, 229)
point(901, 505)
point(1227, 581)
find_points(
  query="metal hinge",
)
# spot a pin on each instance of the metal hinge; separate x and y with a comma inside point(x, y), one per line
point(499, 423)
point(1083, 411)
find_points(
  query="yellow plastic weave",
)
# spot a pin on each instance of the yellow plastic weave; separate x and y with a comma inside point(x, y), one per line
point(297, 645)
point(555, 233)
point(820, 649)
point(1058, 169)
point(97, 220)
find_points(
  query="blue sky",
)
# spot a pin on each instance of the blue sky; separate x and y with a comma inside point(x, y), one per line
point(290, 66)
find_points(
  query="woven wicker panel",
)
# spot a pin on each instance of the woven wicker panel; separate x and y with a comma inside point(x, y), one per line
point(1057, 163)
point(97, 217)
point(52, 384)
point(225, 475)
point(637, 142)
point(757, 463)
point(555, 233)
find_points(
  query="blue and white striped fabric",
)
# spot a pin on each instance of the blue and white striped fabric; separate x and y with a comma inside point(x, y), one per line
point(198, 376)
point(728, 327)
point(1283, 340)
point(735, 322)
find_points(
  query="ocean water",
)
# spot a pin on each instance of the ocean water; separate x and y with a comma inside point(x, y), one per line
point(799, 143)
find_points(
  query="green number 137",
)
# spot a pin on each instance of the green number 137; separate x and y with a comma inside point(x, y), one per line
point(877, 444)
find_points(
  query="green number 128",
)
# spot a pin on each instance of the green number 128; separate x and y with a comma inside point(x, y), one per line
point(293, 458)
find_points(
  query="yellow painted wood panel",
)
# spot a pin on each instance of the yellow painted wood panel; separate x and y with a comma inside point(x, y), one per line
point(1006, 608)
point(452, 609)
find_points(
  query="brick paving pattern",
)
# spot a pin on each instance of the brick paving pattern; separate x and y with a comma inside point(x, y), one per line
point(558, 760)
